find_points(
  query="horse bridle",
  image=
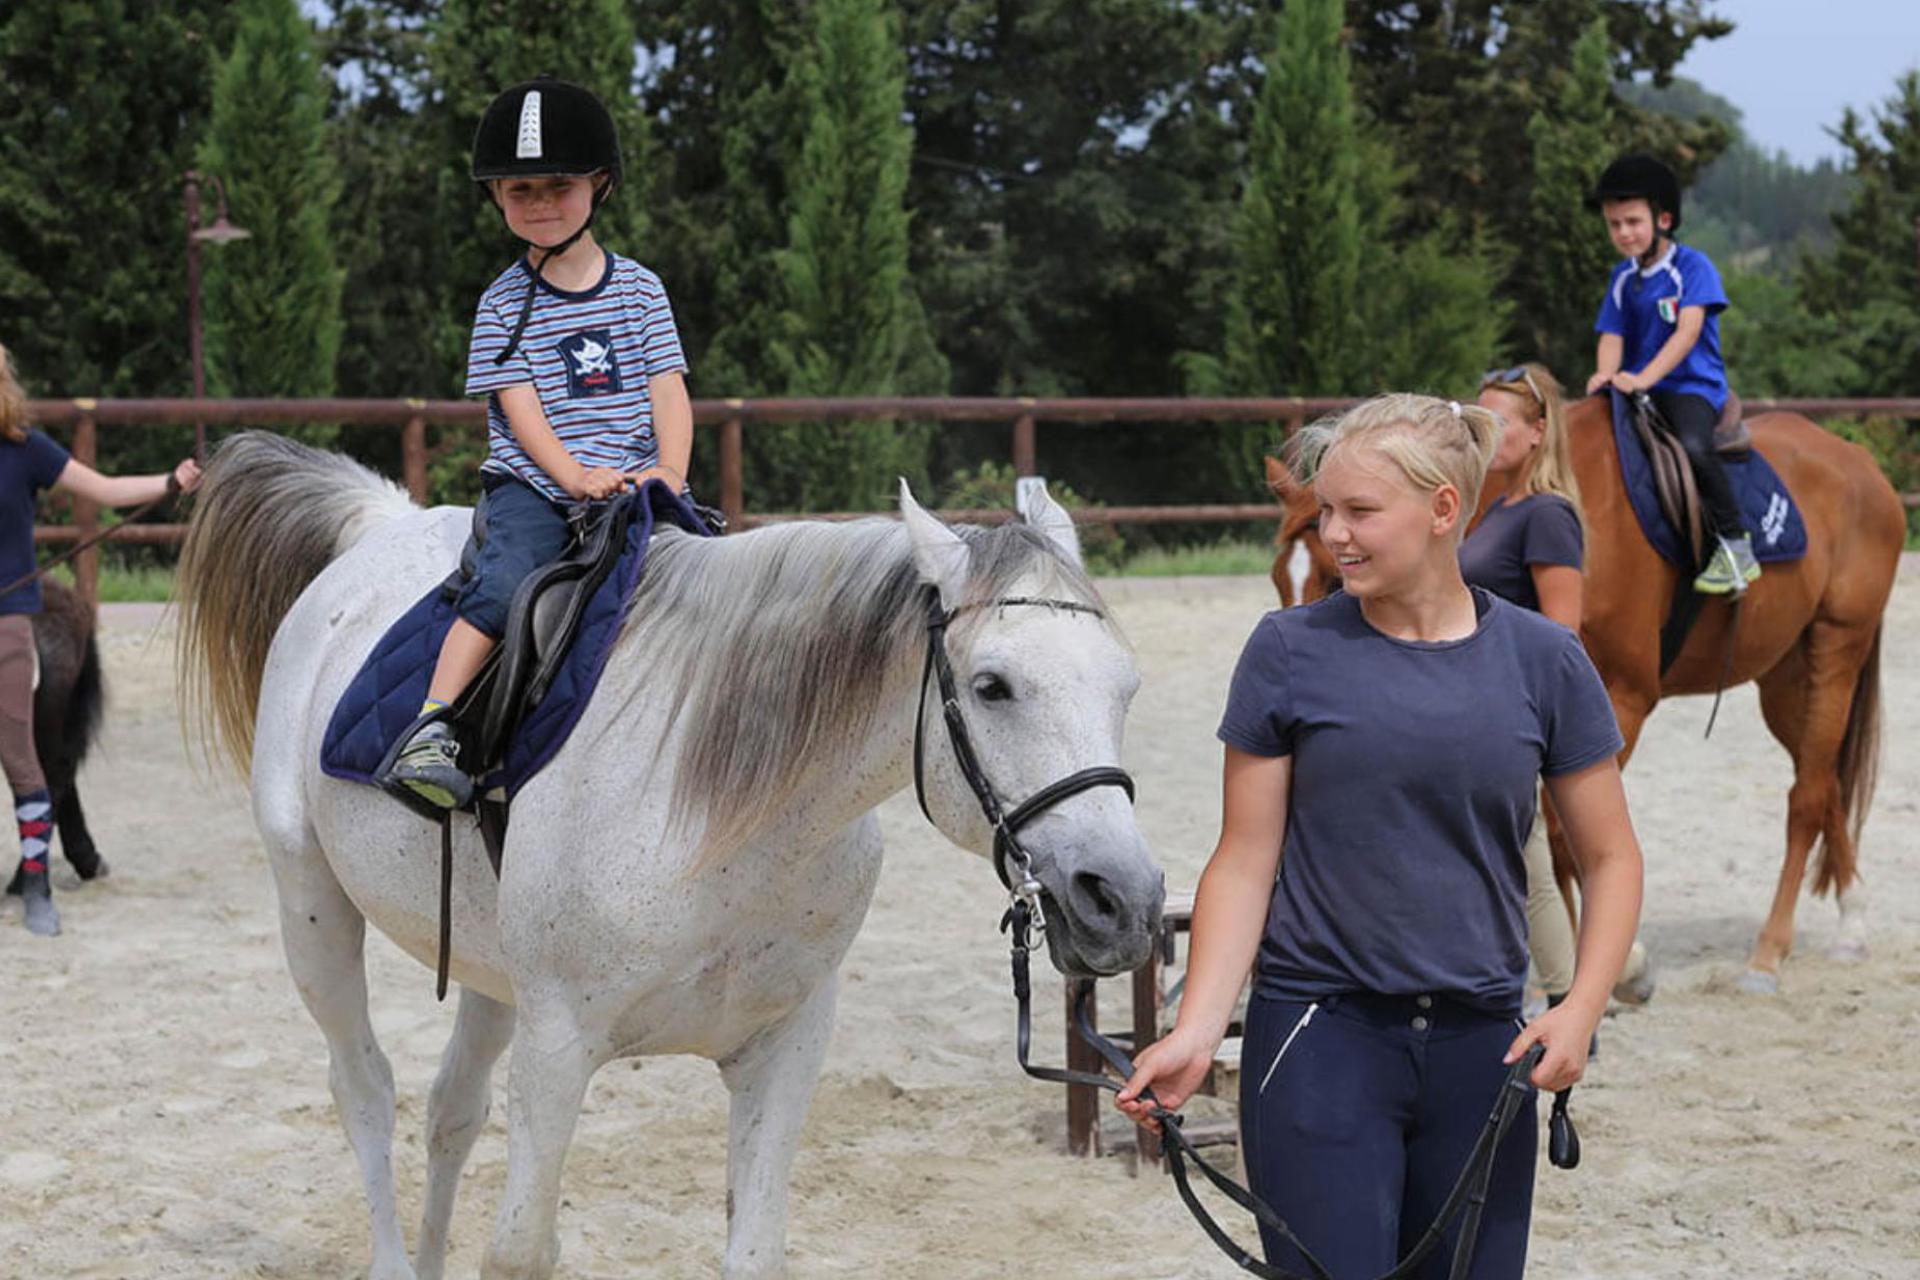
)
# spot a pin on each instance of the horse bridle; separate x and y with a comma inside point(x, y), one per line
point(1011, 861)
point(1024, 919)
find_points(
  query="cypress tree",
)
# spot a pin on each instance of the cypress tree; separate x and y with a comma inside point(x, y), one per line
point(272, 302)
point(1558, 285)
point(1869, 285)
point(848, 312)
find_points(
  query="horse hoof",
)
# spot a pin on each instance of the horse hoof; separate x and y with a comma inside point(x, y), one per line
point(94, 868)
point(1637, 984)
point(1848, 951)
point(1758, 982)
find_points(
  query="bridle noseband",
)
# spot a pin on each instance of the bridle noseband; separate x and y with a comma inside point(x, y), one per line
point(1011, 861)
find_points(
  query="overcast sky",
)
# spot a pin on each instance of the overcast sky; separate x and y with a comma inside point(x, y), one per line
point(1792, 66)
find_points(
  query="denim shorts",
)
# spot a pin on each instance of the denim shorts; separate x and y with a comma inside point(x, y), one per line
point(525, 529)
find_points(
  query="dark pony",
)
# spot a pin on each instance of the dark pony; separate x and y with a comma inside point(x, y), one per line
point(1808, 634)
point(66, 716)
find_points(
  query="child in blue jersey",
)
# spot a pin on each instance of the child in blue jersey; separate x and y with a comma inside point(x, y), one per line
point(31, 461)
point(1659, 333)
point(576, 351)
point(1383, 750)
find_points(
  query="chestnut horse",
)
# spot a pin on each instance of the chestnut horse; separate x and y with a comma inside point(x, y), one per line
point(1808, 634)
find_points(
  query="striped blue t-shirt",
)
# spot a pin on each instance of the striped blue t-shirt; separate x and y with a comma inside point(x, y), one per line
point(588, 355)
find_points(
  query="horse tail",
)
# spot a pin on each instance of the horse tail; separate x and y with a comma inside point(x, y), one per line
point(269, 516)
point(85, 704)
point(1859, 768)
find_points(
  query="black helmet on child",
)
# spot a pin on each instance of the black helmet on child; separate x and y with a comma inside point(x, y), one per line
point(1641, 178)
point(543, 128)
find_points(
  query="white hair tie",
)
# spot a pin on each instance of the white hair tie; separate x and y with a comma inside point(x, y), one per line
point(1453, 407)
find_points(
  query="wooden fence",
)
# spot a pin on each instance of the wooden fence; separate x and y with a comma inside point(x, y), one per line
point(730, 419)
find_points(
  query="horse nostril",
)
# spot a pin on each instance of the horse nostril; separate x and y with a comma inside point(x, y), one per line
point(1095, 896)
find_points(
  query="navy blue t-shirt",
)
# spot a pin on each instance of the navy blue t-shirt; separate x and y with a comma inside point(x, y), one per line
point(1541, 528)
point(1643, 306)
point(1415, 774)
point(25, 469)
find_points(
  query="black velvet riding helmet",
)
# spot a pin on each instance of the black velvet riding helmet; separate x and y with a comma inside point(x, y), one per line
point(545, 128)
point(1641, 178)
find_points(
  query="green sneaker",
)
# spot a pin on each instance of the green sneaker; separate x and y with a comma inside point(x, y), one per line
point(429, 767)
point(1731, 568)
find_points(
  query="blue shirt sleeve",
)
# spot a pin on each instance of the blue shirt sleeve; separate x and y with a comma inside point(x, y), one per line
point(490, 333)
point(1580, 727)
point(1610, 320)
point(1553, 535)
point(46, 459)
point(659, 337)
point(1259, 714)
point(1700, 282)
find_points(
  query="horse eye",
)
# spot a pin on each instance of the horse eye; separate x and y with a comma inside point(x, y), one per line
point(991, 688)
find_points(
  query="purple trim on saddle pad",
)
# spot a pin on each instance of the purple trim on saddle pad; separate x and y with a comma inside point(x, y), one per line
point(384, 697)
point(1766, 508)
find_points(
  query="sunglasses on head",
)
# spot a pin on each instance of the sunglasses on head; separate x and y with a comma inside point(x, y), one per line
point(1519, 373)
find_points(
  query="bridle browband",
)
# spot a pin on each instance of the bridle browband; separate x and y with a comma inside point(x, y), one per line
point(1024, 919)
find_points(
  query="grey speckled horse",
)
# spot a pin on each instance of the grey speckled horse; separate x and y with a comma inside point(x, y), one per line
point(686, 876)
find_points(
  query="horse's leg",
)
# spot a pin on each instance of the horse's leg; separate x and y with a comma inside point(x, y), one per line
point(772, 1079)
point(456, 1113)
point(1805, 700)
point(76, 842)
point(547, 1078)
point(323, 933)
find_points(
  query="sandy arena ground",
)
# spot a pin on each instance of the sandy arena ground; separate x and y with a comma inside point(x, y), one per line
point(165, 1112)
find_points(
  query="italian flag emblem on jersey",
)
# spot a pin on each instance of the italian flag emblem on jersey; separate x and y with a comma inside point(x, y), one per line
point(1670, 310)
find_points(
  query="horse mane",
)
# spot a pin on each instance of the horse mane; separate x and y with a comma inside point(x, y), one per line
point(776, 645)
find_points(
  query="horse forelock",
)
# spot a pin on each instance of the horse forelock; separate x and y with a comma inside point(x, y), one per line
point(777, 644)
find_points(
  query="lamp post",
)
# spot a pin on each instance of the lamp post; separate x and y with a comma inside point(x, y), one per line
point(220, 231)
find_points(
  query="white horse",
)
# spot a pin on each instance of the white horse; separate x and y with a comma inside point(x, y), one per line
point(687, 873)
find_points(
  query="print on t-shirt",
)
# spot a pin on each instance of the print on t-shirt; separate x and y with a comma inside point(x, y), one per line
point(593, 367)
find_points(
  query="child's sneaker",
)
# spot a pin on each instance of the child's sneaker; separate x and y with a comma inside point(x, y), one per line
point(1731, 568)
point(428, 766)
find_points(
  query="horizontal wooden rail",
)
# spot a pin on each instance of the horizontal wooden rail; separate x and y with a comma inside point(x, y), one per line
point(732, 417)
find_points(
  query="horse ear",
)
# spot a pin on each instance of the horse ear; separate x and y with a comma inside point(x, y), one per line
point(938, 553)
point(1038, 509)
point(1280, 479)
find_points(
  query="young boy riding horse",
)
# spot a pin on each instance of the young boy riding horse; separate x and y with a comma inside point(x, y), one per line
point(585, 391)
point(1659, 333)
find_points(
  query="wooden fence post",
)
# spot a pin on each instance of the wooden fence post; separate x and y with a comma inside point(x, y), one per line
point(86, 515)
point(1026, 460)
point(733, 500)
point(413, 455)
point(1083, 1102)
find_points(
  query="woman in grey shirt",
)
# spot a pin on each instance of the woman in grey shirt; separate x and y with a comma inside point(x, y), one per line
point(1384, 748)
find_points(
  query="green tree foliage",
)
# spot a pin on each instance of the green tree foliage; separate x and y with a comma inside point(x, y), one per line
point(100, 109)
point(1568, 254)
point(272, 301)
point(1326, 299)
point(1870, 284)
point(850, 316)
point(383, 123)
